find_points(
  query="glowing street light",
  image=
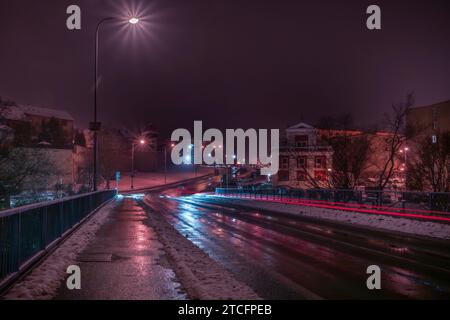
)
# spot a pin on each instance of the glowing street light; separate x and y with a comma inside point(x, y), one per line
point(404, 150)
point(403, 169)
point(141, 142)
point(134, 20)
point(95, 126)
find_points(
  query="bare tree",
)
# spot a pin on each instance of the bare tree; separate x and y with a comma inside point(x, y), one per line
point(21, 169)
point(350, 151)
point(430, 170)
point(393, 140)
point(24, 170)
point(5, 131)
point(350, 160)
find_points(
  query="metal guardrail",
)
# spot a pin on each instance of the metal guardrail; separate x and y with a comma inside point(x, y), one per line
point(167, 185)
point(428, 201)
point(26, 232)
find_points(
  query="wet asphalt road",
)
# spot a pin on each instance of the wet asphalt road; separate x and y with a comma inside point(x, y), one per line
point(286, 257)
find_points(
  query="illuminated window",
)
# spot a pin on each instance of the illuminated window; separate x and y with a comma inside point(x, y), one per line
point(320, 175)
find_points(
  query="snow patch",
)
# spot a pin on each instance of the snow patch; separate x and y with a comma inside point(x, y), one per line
point(20, 112)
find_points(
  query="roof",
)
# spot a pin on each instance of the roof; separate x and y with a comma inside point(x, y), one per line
point(46, 112)
point(12, 113)
point(19, 112)
point(301, 125)
point(439, 104)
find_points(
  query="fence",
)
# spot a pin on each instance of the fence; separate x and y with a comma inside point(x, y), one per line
point(25, 232)
point(428, 201)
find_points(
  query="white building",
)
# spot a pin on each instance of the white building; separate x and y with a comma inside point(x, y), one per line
point(305, 161)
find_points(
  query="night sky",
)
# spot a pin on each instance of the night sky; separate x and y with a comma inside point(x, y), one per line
point(246, 63)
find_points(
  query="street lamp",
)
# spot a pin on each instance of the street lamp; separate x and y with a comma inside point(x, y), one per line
point(165, 161)
point(141, 142)
point(134, 20)
point(404, 151)
point(95, 126)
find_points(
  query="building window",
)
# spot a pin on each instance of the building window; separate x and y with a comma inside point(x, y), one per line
point(302, 162)
point(320, 175)
point(283, 175)
point(301, 141)
point(320, 162)
point(284, 162)
point(301, 175)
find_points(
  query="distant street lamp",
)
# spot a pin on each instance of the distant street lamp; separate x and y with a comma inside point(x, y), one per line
point(165, 161)
point(95, 126)
point(404, 151)
point(403, 169)
point(141, 142)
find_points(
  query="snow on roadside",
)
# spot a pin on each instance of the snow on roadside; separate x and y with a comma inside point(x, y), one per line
point(405, 225)
point(200, 275)
point(44, 281)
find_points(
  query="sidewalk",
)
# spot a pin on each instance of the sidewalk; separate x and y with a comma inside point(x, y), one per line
point(125, 261)
point(153, 179)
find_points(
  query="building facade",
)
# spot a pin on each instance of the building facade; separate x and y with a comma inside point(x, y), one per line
point(34, 126)
point(430, 121)
point(428, 158)
point(305, 160)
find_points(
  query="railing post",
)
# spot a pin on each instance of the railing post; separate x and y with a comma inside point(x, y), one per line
point(44, 227)
point(61, 218)
point(430, 201)
point(19, 241)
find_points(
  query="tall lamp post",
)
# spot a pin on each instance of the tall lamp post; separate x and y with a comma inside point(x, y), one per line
point(165, 162)
point(95, 126)
point(404, 169)
point(141, 142)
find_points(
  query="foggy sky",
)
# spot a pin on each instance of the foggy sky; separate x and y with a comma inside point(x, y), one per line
point(246, 63)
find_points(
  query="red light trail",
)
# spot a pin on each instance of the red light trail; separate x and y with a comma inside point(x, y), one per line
point(352, 207)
